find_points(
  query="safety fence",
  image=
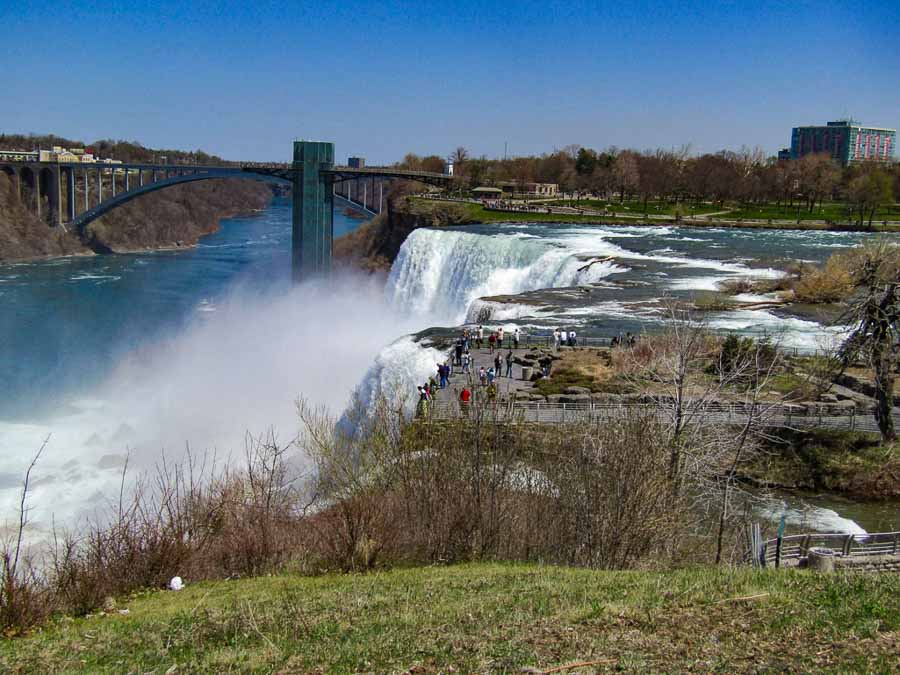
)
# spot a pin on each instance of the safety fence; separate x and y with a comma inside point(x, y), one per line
point(552, 412)
point(528, 341)
point(790, 549)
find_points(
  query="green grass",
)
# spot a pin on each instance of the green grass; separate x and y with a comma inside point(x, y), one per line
point(487, 617)
point(468, 213)
point(833, 211)
point(636, 207)
point(564, 377)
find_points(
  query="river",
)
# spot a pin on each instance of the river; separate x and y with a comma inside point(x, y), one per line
point(138, 355)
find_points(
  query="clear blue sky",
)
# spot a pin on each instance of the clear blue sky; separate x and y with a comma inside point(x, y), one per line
point(242, 79)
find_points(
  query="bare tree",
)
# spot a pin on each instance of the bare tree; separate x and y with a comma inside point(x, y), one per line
point(875, 317)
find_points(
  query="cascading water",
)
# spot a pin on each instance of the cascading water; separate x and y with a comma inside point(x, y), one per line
point(442, 272)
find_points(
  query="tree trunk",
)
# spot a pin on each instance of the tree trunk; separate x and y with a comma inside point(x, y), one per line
point(884, 399)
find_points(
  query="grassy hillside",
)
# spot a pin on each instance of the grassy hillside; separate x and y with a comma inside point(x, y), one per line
point(486, 617)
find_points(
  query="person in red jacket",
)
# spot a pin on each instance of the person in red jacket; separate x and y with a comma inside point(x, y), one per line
point(464, 397)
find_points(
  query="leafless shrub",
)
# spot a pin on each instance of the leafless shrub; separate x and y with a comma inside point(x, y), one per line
point(24, 598)
point(483, 487)
point(830, 283)
point(187, 518)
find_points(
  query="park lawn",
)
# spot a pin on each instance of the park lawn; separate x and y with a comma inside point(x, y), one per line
point(479, 214)
point(834, 211)
point(632, 207)
point(467, 213)
point(488, 617)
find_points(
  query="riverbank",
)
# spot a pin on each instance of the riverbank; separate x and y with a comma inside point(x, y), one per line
point(175, 218)
point(851, 464)
point(486, 617)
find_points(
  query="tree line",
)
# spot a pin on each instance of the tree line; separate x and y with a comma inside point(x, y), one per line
point(745, 176)
point(127, 151)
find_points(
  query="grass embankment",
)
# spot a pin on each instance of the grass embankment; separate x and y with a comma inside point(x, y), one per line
point(488, 617)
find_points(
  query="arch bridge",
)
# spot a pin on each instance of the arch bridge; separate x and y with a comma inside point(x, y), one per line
point(73, 195)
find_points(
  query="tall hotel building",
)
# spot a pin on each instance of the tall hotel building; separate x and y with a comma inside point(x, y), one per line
point(846, 141)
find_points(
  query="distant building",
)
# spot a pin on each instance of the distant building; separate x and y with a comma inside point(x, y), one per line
point(356, 162)
point(512, 188)
point(19, 155)
point(56, 154)
point(487, 193)
point(784, 154)
point(846, 141)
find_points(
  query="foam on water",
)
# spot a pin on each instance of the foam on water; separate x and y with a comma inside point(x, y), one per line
point(807, 516)
point(787, 331)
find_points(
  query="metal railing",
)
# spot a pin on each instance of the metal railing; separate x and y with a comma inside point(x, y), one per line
point(529, 340)
point(775, 552)
point(511, 411)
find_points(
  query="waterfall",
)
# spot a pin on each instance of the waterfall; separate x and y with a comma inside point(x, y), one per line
point(442, 272)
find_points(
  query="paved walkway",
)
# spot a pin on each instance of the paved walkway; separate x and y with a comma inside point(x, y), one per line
point(483, 357)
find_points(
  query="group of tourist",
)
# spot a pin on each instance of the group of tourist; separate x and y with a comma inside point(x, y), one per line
point(564, 337)
point(494, 340)
point(485, 377)
point(461, 358)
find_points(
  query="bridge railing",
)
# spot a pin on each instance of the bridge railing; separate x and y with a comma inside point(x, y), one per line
point(775, 552)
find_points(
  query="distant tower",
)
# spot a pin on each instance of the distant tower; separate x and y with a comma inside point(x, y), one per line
point(449, 167)
point(356, 162)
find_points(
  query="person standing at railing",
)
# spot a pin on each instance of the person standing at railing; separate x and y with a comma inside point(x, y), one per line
point(516, 338)
point(479, 336)
point(572, 338)
point(500, 338)
point(458, 349)
point(492, 341)
point(563, 337)
point(465, 396)
point(466, 360)
point(422, 404)
point(482, 376)
point(556, 337)
point(509, 363)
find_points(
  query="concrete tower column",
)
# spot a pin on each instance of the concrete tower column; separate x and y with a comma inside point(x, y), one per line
point(113, 181)
point(313, 204)
point(70, 183)
point(55, 196)
point(99, 186)
point(127, 171)
point(37, 190)
point(87, 189)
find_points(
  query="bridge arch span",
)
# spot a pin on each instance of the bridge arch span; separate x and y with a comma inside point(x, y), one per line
point(107, 205)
